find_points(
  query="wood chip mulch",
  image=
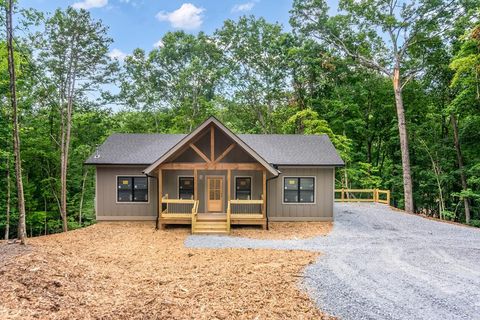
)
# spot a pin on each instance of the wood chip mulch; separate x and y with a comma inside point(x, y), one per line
point(284, 230)
point(131, 271)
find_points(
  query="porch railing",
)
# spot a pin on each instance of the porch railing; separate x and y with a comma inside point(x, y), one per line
point(363, 195)
point(177, 206)
point(194, 214)
point(244, 209)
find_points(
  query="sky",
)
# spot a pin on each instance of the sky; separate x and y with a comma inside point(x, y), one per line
point(142, 23)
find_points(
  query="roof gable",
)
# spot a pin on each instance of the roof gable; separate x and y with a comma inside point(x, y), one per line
point(212, 121)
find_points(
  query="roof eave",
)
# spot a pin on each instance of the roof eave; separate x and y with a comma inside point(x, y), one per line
point(311, 165)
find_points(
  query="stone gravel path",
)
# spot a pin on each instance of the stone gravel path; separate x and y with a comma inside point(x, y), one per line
point(378, 263)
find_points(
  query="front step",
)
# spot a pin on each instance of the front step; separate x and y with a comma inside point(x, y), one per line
point(210, 227)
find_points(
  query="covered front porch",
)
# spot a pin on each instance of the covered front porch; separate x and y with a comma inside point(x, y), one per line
point(211, 180)
point(212, 198)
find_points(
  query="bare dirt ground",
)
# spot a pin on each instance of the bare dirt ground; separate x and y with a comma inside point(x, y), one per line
point(284, 230)
point(131, 271)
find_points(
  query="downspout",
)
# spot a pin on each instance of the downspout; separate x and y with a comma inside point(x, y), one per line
point(266, 190)
point(158, 202)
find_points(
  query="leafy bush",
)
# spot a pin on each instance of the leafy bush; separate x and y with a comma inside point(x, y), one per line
point(475, 223)
point(448, 215)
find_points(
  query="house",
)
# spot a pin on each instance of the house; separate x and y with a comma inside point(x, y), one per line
point(212, 178)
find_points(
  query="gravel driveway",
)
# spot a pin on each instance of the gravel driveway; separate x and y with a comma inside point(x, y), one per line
point(384, 264)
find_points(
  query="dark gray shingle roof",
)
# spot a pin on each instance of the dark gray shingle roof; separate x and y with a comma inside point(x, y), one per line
point(294, 149)
point(277, 149)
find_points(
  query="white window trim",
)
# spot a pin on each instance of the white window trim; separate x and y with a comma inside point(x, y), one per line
point(235, 186)
point(300, 203)
point(129, 176)
point(178, 184)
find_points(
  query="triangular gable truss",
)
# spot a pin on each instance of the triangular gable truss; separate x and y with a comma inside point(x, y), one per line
point(210, 160)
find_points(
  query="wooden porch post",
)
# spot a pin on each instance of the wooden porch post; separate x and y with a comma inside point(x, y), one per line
point(212, 143)
point(229, 192)
point(195, 184)
point(160, 193)
point(264, 195)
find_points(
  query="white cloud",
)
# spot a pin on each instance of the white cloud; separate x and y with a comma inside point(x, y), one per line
point(88, 4)
point(188, 16)
point(243, 7)
point(117, 54)
point(158, 44)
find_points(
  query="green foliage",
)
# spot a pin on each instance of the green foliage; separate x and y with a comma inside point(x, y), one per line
point(475, 223)
point(448, 215)
point(257, 77)
point(308, 122)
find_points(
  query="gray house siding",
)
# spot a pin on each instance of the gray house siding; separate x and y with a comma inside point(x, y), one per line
point(321, 210)
point(107, 207)
point(170, 181)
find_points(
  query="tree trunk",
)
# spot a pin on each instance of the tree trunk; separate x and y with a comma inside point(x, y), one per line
point(437, 172)
point(402, 130)
point(7, 222)
point(345, 174)
point(16, 134)
point(63, 179)
point(460, 165)
point(81, 197)
point(64, 170)
point(65, 143)
point(369, 150)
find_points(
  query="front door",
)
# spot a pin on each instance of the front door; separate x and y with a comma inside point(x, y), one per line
point(214, 194)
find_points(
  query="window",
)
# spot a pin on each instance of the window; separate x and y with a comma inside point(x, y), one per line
point(299, 190)
point(243, 188)
point(132, 189)
point(185, 187)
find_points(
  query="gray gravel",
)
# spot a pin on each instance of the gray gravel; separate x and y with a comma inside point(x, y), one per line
point(384, 264)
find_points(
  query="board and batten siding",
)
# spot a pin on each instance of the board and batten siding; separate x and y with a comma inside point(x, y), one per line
point(107, 207)
point(321, 210)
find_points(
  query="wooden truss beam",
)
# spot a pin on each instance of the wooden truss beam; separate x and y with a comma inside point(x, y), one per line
point(212, 143)
point(199, 152)
point(227, 151)
point(210, 166)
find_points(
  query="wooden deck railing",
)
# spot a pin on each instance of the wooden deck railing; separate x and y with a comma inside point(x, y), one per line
point(177, 206)
point(363, 195)
point(244, 209)
point(246, 206)
point(194, 214)
point(229, 212)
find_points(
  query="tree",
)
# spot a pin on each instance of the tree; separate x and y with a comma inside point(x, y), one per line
point(179, 79)
point(385, 36)
point(256, 52)
point(466, 80)
point(74, 51)
point(7, 200)
point(16, 134)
